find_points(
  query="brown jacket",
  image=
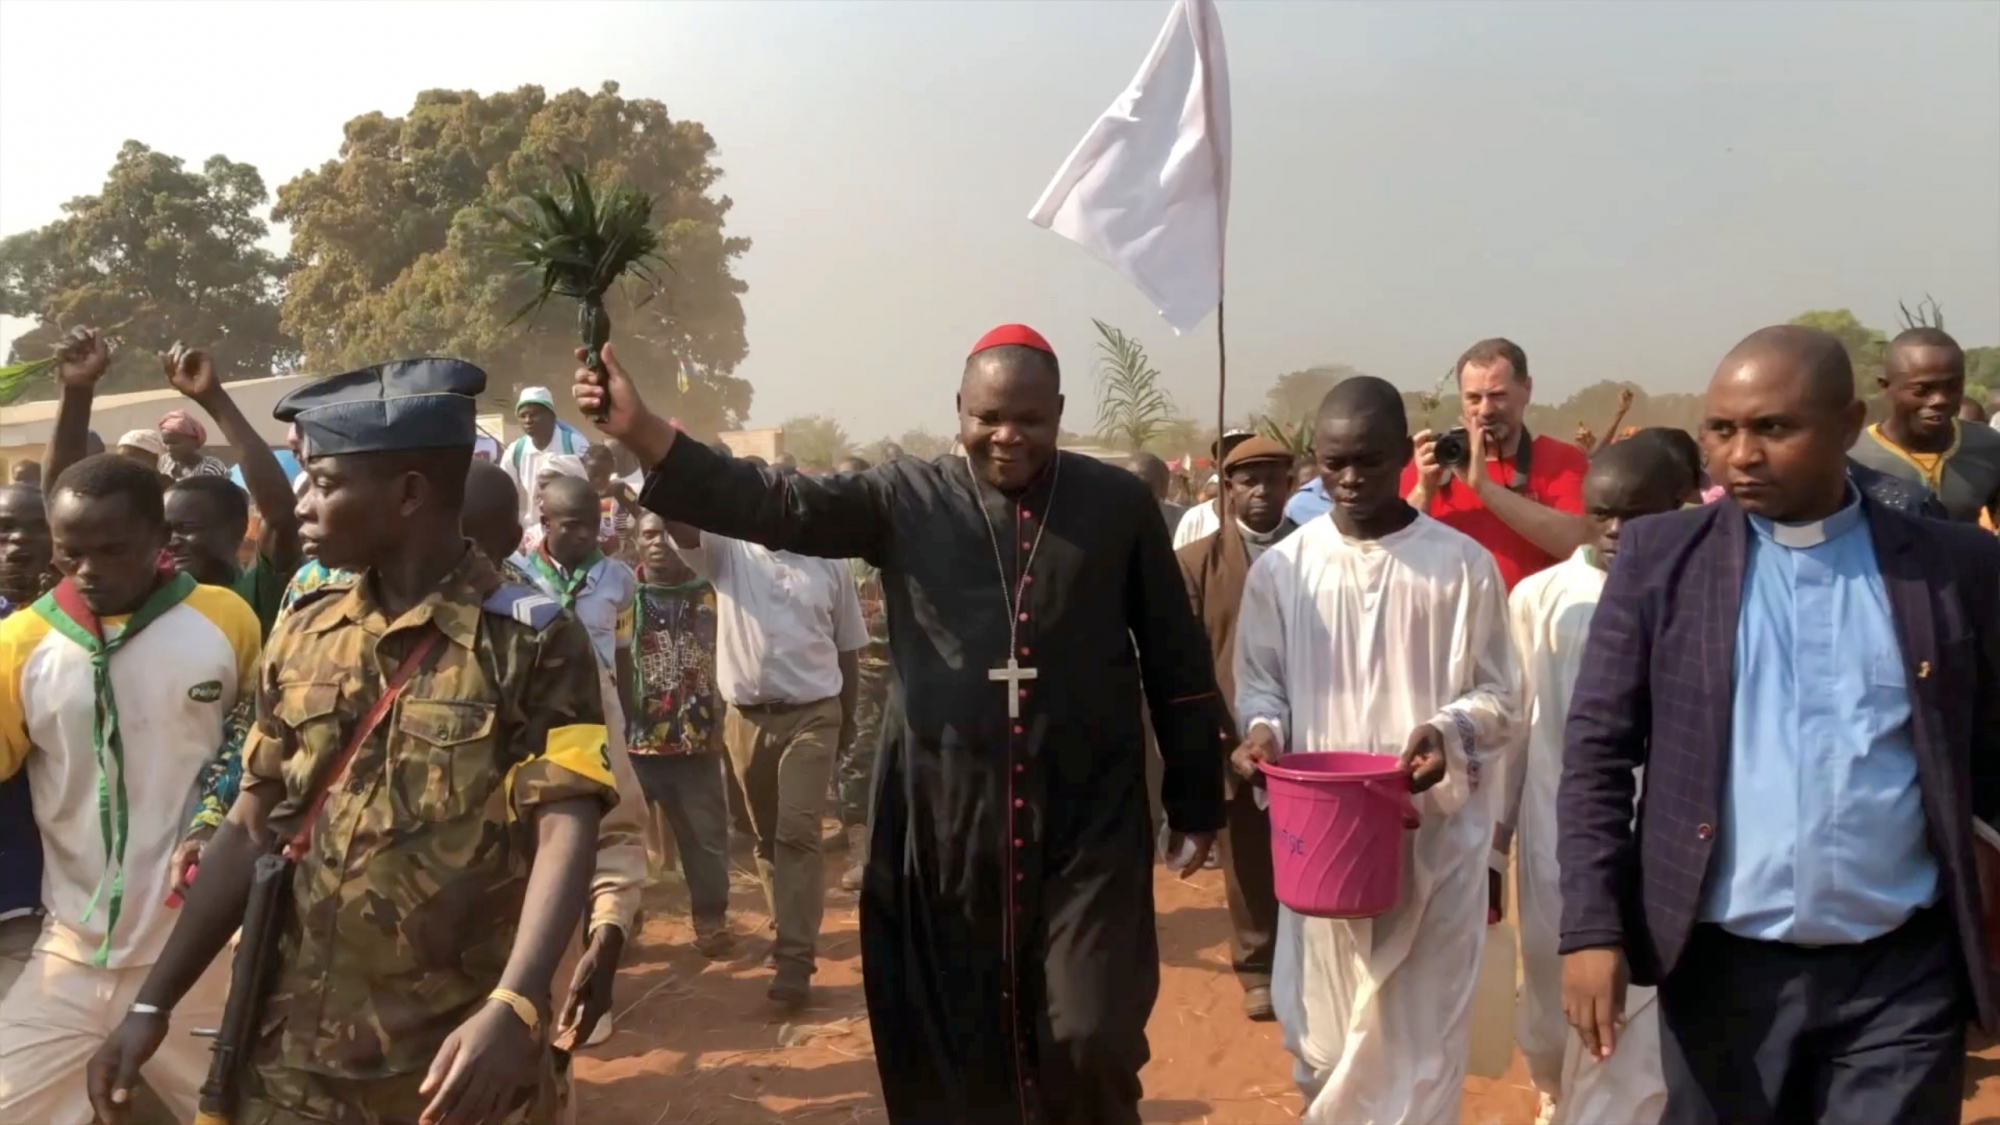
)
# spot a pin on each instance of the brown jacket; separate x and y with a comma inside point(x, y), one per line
point(1215, 568)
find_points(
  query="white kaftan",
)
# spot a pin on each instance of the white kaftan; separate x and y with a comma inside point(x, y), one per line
point(1200, 520)
point(1351, 645)
point(1549, 615)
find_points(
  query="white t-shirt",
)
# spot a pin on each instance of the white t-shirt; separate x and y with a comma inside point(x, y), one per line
point(175, 683)
point(1196, 522)
point(781, 621)
point(524, 463)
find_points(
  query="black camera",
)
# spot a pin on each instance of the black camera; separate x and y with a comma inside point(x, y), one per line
point(1453, 449)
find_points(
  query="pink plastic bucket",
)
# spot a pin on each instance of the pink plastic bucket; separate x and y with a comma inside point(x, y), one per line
point(1337, 824)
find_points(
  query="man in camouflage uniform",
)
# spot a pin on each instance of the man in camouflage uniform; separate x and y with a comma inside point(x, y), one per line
point(447, 870)
point(854, 773)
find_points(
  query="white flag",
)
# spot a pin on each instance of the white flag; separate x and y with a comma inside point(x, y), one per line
point(1148, 188)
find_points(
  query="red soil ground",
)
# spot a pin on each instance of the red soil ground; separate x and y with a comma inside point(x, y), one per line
point(696, 1043)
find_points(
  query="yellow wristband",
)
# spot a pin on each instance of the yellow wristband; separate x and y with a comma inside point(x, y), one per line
point(523, 1007)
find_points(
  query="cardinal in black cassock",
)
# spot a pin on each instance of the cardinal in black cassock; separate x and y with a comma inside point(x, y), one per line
point(1007, 913)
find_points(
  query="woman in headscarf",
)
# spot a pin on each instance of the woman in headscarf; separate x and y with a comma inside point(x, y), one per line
point(185, 436)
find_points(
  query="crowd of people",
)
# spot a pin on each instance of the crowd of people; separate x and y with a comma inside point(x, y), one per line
point(427, 695)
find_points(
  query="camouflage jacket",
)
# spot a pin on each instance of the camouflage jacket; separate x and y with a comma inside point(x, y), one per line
point(219, 782)
point(407, 899)
point(874, 613)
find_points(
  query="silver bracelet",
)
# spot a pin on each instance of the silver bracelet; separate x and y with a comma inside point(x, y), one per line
point(146, 1010)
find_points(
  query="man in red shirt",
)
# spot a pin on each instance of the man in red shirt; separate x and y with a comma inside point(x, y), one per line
point(1518, 495)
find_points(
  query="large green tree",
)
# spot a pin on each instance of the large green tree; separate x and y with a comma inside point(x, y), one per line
point(398, 246)
point(816, 440)
point(161, 253)
point(1865, 346)
point(1294, 396)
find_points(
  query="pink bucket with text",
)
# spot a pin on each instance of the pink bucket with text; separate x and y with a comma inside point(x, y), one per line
point(1337, 824)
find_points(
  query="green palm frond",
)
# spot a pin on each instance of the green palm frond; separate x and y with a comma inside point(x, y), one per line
point(16, 378)
point(1297, 437)
point(579, 243)
point(1131, 407)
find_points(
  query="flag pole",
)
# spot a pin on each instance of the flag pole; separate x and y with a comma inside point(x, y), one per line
point(1221, 411)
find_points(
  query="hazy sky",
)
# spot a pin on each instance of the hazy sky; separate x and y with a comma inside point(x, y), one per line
point(1623, 188)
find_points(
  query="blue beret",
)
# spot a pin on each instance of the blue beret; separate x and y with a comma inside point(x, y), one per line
point(404, 404)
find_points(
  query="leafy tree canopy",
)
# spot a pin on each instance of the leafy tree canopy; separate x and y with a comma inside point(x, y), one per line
point(1865, 346)
point(816, 440)
point(1297, 394)
point(161, 253)
point(399, 249)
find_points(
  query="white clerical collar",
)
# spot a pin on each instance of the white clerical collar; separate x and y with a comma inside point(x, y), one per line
point(1801, 536)
point(1258, 538)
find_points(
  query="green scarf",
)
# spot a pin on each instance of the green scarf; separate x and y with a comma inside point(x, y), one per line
point(566, 584)
point(67, 613)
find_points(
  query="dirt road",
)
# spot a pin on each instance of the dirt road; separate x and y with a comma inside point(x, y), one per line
point(696, 1043)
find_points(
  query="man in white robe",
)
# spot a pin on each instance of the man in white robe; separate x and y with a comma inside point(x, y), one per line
point(1549, 616)
point(1381, 630)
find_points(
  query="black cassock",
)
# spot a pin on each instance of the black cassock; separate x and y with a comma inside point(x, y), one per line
point(1007, 917)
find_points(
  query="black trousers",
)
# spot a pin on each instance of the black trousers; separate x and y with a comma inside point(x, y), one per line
point(1251, 887)
point(1868, 1034)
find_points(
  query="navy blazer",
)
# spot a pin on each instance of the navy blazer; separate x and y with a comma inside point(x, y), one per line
point(1657, 689)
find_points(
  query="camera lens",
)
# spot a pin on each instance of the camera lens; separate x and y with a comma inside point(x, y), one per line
point(1451, 449)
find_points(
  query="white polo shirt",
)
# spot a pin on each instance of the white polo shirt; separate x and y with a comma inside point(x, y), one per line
point(175, 683)
point(781, 621)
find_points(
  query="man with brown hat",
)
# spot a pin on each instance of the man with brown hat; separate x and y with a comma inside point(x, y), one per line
point(1256, 482)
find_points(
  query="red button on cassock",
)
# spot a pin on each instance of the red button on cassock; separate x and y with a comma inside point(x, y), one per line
point(1018, 729)
point(1019, 803)
point(1017, 842)
point(1024, 617)
point(1018, 768)
point(1024, 650)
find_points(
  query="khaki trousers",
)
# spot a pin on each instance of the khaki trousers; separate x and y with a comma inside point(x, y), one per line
point(59, 1012)
point(782, 755)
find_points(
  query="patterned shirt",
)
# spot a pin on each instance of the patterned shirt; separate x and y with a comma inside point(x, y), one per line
point(874, 614)
point(673, 659)
point(407, 900)
point(206, 467)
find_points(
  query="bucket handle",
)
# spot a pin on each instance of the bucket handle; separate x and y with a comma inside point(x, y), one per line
point(1400, 796)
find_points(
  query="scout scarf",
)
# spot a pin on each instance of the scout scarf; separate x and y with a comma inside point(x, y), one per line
point(66, 612)
point(566, 585)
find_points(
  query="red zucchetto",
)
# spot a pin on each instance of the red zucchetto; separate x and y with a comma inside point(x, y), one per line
point(1011, 334)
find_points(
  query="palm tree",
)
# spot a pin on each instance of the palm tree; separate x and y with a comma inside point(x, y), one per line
point(1297, 437)
point(1131, 407)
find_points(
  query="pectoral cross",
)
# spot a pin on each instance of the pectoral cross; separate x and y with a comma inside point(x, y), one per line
point(1013, 674)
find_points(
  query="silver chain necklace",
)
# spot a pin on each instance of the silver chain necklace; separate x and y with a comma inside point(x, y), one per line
point(1011, 674)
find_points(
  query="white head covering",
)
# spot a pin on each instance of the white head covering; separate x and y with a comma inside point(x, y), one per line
point(538, 396)
point(566, 464)
point(148, 441)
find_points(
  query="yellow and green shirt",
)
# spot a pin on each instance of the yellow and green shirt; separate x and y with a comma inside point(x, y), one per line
point(175, 683)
